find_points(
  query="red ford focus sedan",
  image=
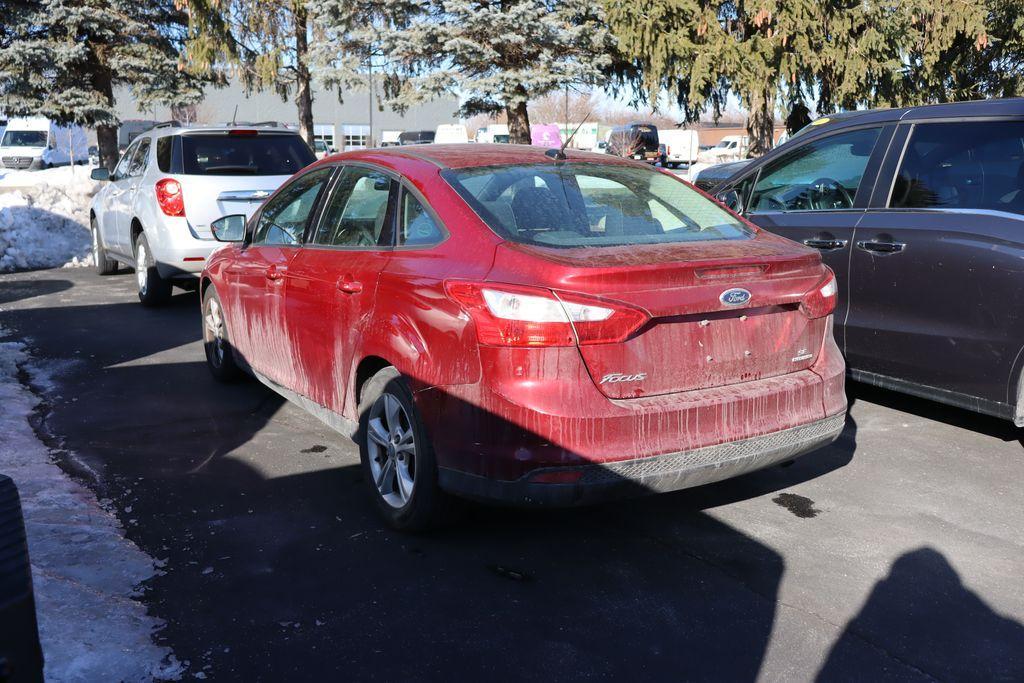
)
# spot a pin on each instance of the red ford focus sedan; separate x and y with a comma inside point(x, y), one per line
point(500, 323)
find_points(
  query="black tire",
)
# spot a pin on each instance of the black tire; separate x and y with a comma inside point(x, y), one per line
point(104, 265)
point(220, 355)
point(427, 506)
point(153, 289)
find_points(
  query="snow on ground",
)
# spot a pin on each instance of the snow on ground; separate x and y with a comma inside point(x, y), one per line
point(86, 574)
point(44, 218)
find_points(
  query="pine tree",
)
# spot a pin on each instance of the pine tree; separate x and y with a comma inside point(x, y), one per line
point(265, 42)
point(842, 53)
point(63, 58)
point(497, 55)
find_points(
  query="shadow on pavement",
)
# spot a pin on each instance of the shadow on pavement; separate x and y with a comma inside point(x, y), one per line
point(931, 410)
point(922, 614)
point(16, 290)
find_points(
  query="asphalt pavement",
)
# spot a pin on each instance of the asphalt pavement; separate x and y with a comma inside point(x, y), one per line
point(897, 553)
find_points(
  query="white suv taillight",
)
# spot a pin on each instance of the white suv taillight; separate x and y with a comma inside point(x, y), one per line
point(170, 197)
point(514, 315)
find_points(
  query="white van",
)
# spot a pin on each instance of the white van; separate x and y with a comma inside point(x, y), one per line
point(729, 148)
point(390, 138)
point(38, 142)
point(492, 132)
point(681, 146)
point(451, 132)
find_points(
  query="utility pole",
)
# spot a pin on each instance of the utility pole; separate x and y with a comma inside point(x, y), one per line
point(369, 141)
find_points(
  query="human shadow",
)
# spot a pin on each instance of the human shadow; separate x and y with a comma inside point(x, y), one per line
point(923, 616)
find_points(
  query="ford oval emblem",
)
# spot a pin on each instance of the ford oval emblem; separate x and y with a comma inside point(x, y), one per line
point(734, 297)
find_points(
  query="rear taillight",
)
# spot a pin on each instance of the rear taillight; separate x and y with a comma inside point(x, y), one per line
point(169, 197)
point(512, 315)
point(821, 300)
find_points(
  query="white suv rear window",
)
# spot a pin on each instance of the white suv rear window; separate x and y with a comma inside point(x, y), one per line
point(233, 154)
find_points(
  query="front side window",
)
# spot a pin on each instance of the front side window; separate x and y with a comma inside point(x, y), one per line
point(137, 165)
point(355, 213)
point(823, 175)
point(582, 205)
point(415, 226)
point(121, 170)
point(283, 220)
point(965, 165)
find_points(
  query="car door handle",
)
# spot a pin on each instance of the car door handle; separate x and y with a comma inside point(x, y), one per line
point(825, 243)
point(349, 286)
point(274, 272)
point(881, 247)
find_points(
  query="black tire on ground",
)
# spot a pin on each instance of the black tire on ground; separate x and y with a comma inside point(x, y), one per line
point(220, 355)
point(153, 289)
point(427, 506)
point(104, 265)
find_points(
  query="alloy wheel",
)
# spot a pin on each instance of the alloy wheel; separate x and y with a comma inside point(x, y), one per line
point(214, 331)
point(392, 450)
point(141, 261)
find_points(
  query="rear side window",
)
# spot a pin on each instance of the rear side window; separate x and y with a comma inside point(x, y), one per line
point(965, 165)
point(584, 205)
point(244, 154)
point(415, 225)
point(283, 220)
point(356, 211)
point(163, 153)
point(823, 175)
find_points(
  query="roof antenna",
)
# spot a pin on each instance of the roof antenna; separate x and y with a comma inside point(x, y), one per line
point(559, 154)
point(234, 116)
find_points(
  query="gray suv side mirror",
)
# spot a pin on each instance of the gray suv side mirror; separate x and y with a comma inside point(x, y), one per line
point(730, 198)
point(100, 174)
point(229, 228)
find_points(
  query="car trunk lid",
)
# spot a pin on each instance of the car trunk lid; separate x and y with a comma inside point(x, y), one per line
point(699, 336)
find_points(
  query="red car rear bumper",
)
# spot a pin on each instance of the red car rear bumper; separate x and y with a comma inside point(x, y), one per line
point(547, 434)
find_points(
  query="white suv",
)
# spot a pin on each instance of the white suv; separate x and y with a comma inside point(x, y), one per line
point(154, 214)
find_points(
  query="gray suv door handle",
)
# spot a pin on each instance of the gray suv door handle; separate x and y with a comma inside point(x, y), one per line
point(881, 247)
point(825, 244)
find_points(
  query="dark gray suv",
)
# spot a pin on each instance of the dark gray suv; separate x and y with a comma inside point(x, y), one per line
point(920, 213)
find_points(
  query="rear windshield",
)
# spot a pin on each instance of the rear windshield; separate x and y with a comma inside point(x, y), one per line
point(24, 138)
point(582, 205)
point(244, 154)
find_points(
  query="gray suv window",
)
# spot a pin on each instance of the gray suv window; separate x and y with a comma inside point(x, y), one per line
point(818, 176)
point(964, 165)
point(137, 165)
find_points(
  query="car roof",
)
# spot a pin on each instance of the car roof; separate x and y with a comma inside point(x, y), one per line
point(474, 154)
point(1013, 106)
point(175, 128)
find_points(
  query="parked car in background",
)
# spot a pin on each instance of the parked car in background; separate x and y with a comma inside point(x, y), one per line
point(416, 137)
point(37, 142)
point(94, 155)
point(707, 178)
point(729, 148)
point(321, 149)
point(154, 214)
point(131, 129)
point(492, 133)
point(493, 323)
point(920, 212)
point(679, 146)
point(635, 141)
point(451, 133)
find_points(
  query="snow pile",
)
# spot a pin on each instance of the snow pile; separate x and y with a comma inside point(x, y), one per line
point(85, 572)
point(44, 218)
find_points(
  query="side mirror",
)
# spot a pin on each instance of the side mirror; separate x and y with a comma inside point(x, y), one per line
point(229, 228)
point(100, 174)
point(730, 198)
